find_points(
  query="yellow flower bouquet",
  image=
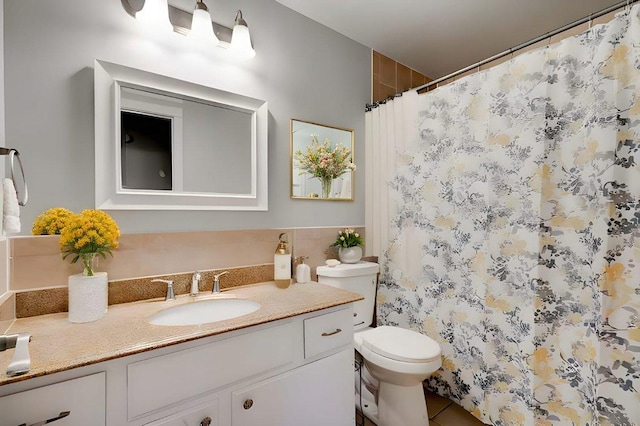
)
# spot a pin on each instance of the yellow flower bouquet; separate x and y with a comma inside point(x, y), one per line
point(90, 233)
point(51, 221)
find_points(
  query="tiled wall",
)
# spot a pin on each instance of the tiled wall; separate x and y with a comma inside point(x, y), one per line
point(36, 261)
point(391, 77)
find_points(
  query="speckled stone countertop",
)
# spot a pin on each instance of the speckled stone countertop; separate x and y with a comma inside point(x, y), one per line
point(59, 345)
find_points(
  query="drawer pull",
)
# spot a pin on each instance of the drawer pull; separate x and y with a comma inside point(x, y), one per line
point(337, 330)
point(206, 421)
point(62, 415)
point(248, 404)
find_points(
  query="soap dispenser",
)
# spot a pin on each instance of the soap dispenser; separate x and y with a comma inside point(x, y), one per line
point(303, 271)
point(282, 263)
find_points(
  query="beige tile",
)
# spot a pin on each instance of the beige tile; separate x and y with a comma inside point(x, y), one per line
point(387, 71)
point(36, 261)
point(495, 62)
point(403, 78)
point(386, 92)
point(417, 79)
point(7, 311)
point(363, 421)
point(454, 415)
point(435, 403)
point(375, 88)
point(4, 265)
point(316, 243)
point(534, 46)
point(570, 32)
point(605, 18)
point(375, 62)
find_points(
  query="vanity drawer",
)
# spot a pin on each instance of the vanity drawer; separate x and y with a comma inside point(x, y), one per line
point(327, 332)
point(166, 380)
point(204, 414)
point(83, 398)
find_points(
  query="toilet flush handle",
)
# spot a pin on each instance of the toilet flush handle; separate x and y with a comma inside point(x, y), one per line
point(336, 331)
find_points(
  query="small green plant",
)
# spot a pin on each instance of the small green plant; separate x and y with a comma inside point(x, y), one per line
point(348, 238)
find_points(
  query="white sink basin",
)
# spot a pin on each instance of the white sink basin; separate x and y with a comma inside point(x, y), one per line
point(204, 312)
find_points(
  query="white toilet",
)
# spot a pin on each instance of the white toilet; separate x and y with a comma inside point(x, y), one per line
point(397, 359)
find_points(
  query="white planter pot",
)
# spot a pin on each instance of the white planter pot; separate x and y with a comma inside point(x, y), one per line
point(350, 254)
point(88, 297)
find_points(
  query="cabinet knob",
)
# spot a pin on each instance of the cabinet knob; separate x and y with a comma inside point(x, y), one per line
point(206, 421)
point(248, 404)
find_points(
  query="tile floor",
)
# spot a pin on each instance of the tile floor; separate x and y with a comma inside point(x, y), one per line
point(442, 412)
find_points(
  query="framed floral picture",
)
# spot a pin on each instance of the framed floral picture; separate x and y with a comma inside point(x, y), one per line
point(322, 163)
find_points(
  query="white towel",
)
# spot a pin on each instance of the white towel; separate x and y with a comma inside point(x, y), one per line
point(10, 208)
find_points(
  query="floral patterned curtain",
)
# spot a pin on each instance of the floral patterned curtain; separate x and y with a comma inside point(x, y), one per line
point(513, 238)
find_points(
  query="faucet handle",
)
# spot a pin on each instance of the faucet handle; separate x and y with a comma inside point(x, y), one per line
point(170, 293)
point(195, 280)
point(216, 282)
point(217, 276)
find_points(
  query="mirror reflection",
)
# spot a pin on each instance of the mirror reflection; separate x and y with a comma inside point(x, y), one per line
point(322, 164)
point(174, 144)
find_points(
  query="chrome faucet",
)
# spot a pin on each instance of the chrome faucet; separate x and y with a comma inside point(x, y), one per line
point(170, 294)
point(21, 362)
point(195, 280)
point(216, 282)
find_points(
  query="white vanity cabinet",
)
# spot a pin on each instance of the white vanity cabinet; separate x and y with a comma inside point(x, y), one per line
point(293, 371)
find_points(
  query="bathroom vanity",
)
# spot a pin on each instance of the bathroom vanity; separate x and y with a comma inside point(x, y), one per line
point(288, 363)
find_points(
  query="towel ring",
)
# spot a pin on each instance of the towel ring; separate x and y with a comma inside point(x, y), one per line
point(13, 153)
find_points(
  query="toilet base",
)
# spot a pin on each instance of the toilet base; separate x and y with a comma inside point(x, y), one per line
point(368, 408)
point(402, 405)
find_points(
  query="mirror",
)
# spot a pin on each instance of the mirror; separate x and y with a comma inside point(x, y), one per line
point(168, 144)
point(322, 162)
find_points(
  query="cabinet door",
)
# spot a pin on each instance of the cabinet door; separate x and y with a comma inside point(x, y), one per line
point(83, 398)
point(316, 394)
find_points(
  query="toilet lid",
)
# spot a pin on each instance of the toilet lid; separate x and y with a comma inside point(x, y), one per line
point(401, 344)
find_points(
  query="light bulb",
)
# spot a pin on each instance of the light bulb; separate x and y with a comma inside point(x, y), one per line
point(201, 26)
point(241, 39)
point(155, 15)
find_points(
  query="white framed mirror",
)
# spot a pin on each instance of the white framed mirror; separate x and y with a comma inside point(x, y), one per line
point(322, 162)
point(168, 144)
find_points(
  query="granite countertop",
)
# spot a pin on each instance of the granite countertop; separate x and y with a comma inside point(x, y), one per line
point(59, 345)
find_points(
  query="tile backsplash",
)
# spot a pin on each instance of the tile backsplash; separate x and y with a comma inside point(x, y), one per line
point(36, 263)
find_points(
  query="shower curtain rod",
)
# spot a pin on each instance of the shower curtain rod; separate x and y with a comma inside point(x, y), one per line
point(528, 43)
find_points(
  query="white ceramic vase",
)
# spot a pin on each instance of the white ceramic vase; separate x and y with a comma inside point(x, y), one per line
point(88, 297)
point(350, 254)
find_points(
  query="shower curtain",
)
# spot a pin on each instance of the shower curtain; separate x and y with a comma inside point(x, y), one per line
point(505, 209)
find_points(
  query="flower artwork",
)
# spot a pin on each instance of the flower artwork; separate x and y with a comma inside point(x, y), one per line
point(90, 233)
point(324, 162)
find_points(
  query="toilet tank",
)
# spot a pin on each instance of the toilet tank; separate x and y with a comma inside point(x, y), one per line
point(359, 278)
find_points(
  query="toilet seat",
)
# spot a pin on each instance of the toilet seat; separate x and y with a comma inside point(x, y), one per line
point(400, 344)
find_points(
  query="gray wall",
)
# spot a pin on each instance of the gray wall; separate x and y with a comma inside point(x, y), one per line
point(303, 70)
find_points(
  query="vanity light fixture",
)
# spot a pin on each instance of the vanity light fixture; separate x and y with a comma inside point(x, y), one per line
point(201, 25)
point(241, 39)
point(155, 15)
point(198, 26)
